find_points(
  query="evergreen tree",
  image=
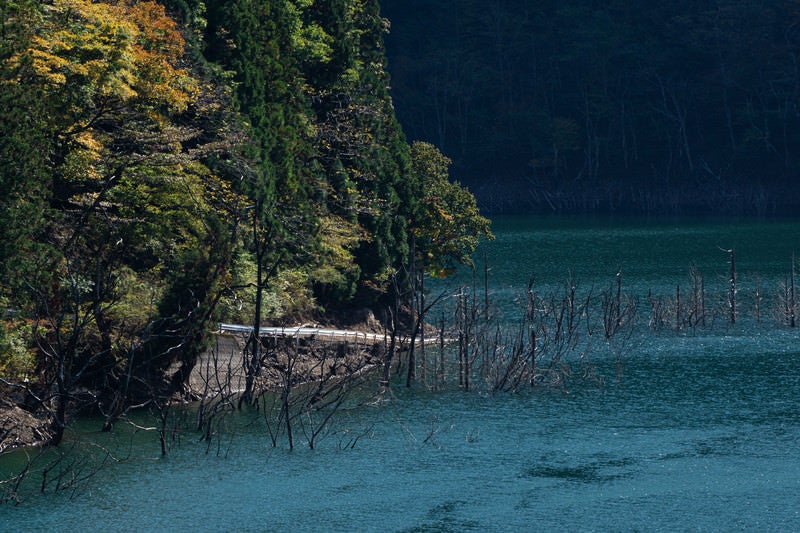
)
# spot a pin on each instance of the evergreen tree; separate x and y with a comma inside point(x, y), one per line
point(24, 145)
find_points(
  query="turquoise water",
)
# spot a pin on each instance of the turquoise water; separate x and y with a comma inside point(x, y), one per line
point(698, 430)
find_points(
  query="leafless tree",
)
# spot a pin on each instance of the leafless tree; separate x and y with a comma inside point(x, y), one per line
point(308, 381)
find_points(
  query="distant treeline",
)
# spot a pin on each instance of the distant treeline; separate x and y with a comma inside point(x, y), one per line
point(577, 105)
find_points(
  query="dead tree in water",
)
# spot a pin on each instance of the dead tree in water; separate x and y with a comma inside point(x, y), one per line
point(758, 299)
point(466, 317)
point(313, 381)
point(462, 341)
point(792, 305)
point(788, 298)
point(698, 298)
point(612, 309)
point(393, 320)
point(442, 362)
point(619, 310)
point(266, 230)
point(732, 289)
point(217, 392)
point(419, 311)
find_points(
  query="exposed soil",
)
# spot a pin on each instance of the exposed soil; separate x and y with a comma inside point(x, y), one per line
point(19, 427)
point(220, 369)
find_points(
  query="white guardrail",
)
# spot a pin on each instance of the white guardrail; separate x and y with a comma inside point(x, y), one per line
point(302, 331)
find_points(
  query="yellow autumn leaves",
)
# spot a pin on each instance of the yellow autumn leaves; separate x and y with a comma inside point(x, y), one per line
point(117, 51)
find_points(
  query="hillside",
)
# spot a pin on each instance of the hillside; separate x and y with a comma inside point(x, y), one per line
point(580, 106)
point(168, 166)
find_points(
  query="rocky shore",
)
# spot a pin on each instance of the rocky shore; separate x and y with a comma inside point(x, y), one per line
point(221, 367)
point(19, 427)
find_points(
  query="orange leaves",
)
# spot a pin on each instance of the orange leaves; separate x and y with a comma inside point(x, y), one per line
point(158, 47)
point(157, 32)
point(111, 84)
point(109, 75)
point(127, 53)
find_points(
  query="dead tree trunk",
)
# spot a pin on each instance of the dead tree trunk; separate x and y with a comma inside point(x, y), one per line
point(393, 313)
point(732, 296)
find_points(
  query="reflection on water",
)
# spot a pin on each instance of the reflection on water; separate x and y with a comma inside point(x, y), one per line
point(699, 431)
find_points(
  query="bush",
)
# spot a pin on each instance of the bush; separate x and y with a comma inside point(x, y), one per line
point(16, 355)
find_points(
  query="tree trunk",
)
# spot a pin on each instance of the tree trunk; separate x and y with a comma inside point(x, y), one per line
point(253, 363)
point(733, 286)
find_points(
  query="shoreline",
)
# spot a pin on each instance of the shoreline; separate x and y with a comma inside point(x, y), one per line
point(217, 371)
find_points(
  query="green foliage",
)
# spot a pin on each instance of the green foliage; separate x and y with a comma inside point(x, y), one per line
point(118, 233)
point(361, 147)
point(139, 294)
point(24, 149)
point(291, 296)
point(330, 162)
point(17, 358)
point(336, 274)
point(448, 225)
point(238, 301)
point(147, 191)
point(288, 295)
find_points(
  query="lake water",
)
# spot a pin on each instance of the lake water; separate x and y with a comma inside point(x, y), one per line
point(696, 429)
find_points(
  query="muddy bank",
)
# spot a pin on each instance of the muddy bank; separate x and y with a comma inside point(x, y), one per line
point(220, 370)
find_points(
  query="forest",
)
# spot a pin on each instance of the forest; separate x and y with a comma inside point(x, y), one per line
point(168, 166)
point(165, 166)
point(620, 106)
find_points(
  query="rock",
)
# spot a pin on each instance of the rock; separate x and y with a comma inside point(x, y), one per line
point(19, 427)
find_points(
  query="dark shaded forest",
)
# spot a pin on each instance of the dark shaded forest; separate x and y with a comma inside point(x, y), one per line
point(620, 106)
